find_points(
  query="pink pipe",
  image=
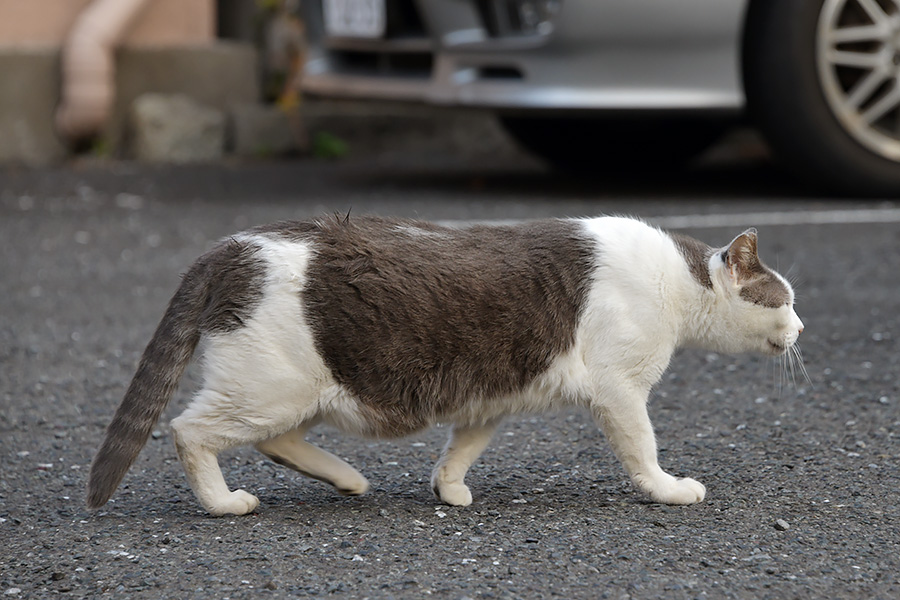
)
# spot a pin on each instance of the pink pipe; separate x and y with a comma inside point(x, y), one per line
point(88, 66)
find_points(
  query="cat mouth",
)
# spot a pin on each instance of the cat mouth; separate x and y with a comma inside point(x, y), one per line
point(777, 348)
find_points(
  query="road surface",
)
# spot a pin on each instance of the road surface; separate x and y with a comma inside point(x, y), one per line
point(802, 478)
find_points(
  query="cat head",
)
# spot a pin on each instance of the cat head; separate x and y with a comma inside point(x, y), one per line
point(755, 303)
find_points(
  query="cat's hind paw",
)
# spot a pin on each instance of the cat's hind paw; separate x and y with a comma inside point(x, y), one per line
point(679, 491)
point(237, 502)
point(353, 486)
point(454, 494)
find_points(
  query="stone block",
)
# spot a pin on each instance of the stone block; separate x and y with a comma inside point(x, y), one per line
point(258, 131)
point(29, 90)
point(216, 75)
point(176, 129)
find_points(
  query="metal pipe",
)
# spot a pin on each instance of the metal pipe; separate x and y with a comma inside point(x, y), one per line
point(88, 66)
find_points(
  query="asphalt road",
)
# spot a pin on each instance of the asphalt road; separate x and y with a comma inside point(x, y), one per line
point(802, 479)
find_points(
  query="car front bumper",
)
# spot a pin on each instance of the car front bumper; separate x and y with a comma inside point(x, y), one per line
point(594, 55)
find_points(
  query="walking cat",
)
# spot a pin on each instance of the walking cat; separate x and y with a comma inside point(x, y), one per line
point(383, 327)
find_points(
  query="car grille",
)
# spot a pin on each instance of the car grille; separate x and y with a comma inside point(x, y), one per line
point(498, 17)
point(404, 21)
point(406, 50)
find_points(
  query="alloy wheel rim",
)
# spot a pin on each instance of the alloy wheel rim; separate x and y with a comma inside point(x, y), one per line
point(858, 59)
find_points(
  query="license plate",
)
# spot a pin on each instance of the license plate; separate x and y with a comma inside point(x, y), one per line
point(354, 18)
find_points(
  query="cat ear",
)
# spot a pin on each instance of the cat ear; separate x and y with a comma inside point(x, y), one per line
point(741, 259)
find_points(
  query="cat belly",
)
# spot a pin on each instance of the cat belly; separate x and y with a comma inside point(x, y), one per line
point(565, 383)
point(270, 371)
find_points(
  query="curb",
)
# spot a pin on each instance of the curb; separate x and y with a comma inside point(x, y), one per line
point(387, 128)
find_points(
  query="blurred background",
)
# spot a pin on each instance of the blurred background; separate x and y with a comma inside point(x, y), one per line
point(190, 81)
point(596, 88)
point(167, 80)
point(199, 81)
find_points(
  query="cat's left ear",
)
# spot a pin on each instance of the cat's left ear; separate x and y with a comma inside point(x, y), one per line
point(741, 259)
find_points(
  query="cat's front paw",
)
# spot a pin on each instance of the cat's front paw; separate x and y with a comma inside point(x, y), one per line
point(454, 494)
point(679, 491)
point(237, 502)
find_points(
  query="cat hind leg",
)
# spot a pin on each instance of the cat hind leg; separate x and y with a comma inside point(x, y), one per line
point(292, 451)
point(465, 445)
point(198, 440)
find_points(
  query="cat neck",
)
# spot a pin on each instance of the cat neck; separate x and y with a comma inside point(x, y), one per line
point(693, 293)
point(659, 280)
point(698, 325)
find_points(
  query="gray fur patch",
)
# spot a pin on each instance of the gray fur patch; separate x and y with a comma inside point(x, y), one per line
point(696, 254)
point(766, 290)
point(759, 284)
point(235, 275)
point(291, 230)
point(417, 320)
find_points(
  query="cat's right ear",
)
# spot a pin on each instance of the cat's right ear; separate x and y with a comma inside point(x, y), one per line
point(741, 260)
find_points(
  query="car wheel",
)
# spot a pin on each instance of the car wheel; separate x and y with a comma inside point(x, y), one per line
point(822, 80)
point(609, 146)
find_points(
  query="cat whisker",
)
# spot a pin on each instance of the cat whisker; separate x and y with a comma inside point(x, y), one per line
point(779, 375)
point(793, 366)
point(798, 356)
point(789, 366)
point(787, 369)
point(795, 279)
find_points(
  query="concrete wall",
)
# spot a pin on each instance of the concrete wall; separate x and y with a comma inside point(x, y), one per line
point(29, 91)
point(171, 48)
point(28, 24)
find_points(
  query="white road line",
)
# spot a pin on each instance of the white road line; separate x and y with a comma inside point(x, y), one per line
point(818, 217)
point(760, 219)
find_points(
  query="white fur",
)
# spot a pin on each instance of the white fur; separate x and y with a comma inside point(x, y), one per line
point(261, 381)
point(266, 385)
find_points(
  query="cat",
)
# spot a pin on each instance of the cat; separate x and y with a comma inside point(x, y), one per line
point(383, 327)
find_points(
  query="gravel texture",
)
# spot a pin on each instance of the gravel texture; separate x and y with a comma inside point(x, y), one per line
point(802, 480)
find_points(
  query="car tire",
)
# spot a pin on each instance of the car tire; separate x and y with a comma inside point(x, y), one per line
point(604, 146)
point(798, 94)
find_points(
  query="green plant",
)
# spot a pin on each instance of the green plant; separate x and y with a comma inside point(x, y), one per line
point(328, 145)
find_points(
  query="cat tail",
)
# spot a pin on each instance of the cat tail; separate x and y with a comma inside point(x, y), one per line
point(162, 365)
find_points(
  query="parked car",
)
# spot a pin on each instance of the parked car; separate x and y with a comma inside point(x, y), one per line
point(596, 84)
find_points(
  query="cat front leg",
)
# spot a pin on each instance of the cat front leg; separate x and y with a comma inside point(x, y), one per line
point(465, 445)
point(624, 420)
point(292, 451)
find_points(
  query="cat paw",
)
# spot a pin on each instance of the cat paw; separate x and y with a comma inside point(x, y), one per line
point(454, 494)
point(237, 502)
point(354, 487)
point(679, 491)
